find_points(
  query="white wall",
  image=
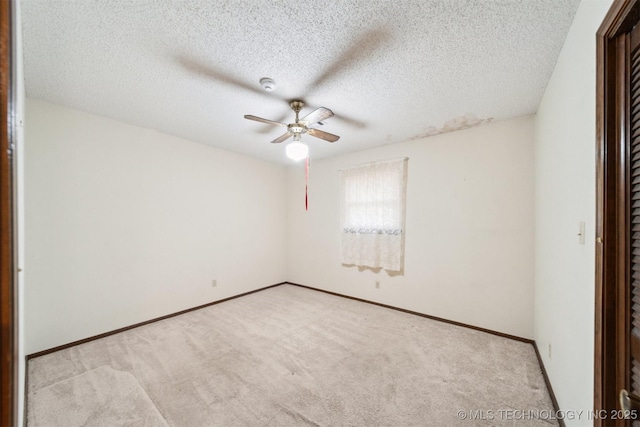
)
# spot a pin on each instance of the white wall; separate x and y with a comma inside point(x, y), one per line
point(564, 196)
point(469, 241)
point(125, 224)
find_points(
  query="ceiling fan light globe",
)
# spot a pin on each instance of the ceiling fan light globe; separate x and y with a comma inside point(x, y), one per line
point(297, 151)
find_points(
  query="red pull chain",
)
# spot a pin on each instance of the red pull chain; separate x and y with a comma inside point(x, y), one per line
point(306, 185)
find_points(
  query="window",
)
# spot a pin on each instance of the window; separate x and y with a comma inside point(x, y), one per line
point(373, 214)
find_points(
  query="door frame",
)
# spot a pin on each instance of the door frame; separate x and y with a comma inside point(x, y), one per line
point(611, 356)
point(8, 285)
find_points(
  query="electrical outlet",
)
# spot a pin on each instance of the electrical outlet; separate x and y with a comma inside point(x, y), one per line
point(214, 283)
point(549, 351)
point(377, 284)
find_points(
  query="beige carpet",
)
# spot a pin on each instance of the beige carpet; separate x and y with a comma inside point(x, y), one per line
point(289, 356)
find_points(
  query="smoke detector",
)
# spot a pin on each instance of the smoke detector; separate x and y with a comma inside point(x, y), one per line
point(268, 84)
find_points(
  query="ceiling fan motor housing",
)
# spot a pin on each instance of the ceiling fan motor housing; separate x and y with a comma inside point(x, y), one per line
point(296, 128)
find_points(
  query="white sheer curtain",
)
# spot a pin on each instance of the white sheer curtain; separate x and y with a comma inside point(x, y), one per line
point(373, 214)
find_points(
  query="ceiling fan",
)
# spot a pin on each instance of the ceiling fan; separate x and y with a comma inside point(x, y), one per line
point(360, 48)
point(301, 125)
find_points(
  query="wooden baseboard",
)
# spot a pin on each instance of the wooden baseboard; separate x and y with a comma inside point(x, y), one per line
point(554, 401)
point(439, 319)
point(126, 328)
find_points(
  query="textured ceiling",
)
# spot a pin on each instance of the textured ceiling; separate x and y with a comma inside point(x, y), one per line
point(391, 71)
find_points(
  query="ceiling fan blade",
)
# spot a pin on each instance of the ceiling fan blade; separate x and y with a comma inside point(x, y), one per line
point(351, 121)
point(205, 70)
point(323, 135)
point(363, 47)
point(269, 129)
point(283, 137)
point(317, 116)
point(260, 119)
